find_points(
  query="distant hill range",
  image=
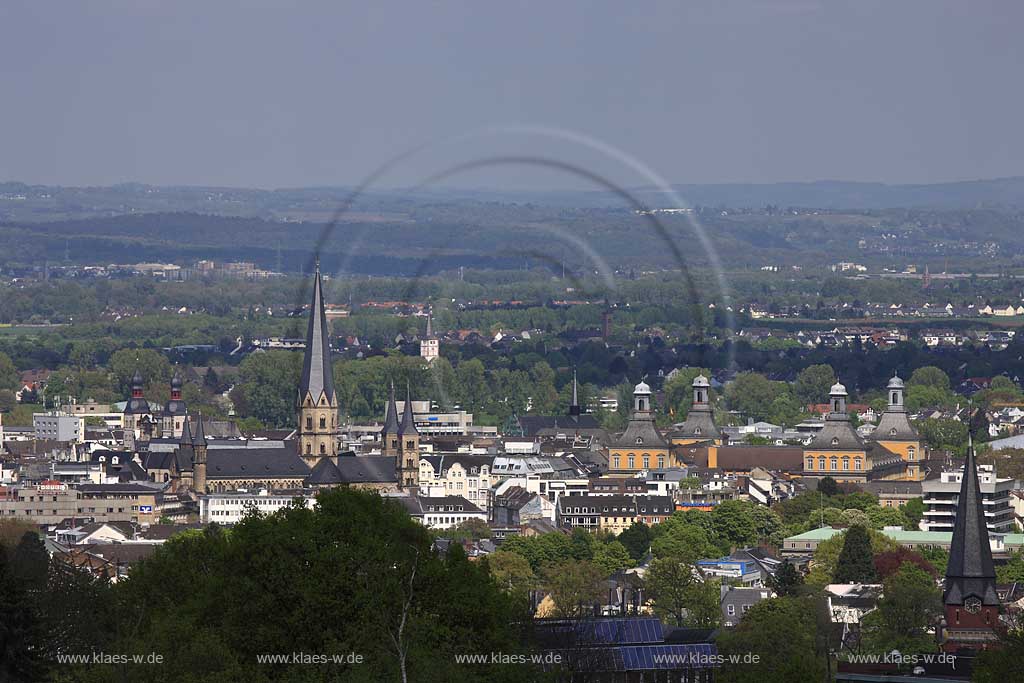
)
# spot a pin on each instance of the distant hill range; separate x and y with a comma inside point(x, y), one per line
point(834, 194)
point(22, 202)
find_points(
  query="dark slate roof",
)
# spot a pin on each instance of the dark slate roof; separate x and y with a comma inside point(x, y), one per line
point(317, 374)
point(323, 473)
point(258, 463)
point(699, 423)
point(199, 437)
point(137, 406)
point(837, 435)
point(367, 469)
point(186, 433)
point(644, 430)
point(532, 425)
point(894, 426)
point(408, 425)
point(391, 418)
point(970, 570)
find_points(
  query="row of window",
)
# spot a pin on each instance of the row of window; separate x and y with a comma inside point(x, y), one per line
point(834, 462)
point(631, 462)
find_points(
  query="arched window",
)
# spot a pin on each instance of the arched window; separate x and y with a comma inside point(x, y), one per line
point(911, 453)
point(835, 441)
point(834, 463)
point(821, 463)
point(639, 440)
point(323, 422)
point(309, 449)
point(696, 431)
point(323, 448)
point(632, 462)
point(309, 423)
point(810, 463)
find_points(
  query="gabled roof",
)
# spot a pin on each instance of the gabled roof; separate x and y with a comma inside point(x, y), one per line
point(324, 472)
point(317, 374)
point(254, 463)
point(367, 469)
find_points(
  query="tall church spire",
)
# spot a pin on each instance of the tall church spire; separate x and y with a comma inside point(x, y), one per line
point(317, 375)
point(408, 425)
point(317, 401)
point(574, 406)
point(971, 602)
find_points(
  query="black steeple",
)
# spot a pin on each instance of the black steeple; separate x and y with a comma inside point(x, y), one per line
point(408, 426)
point(574, 406)
point(186, 433)
point(199, 439)
point(970, 571)
point(391, 415)
point(317, 376)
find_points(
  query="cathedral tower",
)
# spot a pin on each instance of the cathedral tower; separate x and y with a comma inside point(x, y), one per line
point(317, 400)
point(407, 460)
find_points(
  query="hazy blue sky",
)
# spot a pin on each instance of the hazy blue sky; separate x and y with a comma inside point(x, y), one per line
point(267, 93)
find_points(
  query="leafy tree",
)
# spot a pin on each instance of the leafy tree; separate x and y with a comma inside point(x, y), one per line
point(937, 557)
point(354, 574)
point(637, 540)
point(1003, 663)
point(929, 376)
point(734, 522)
point(891, 561)
point(9, 378)
point(782, 632)
point(786, 580)
point(752, 394)
point(911, 602)
point(511, 571)
point(611, 557)
point(20, 631)
point(704, 604)
point(667, 581)
point(881, 517)
point(574, 586)
point(913, 512)
point(1013, 570)
point(828, 487)
point(686, 542)
point(540, 550)
point(826, 556)
point(855, 564)
point(813, 383)
point(944, 435)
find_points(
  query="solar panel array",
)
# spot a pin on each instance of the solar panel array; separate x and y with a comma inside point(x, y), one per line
point(667, 657)
point(628, 631)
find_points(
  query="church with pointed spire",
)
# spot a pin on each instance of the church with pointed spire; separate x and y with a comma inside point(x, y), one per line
point(317, 402)
point(969, 597)
point(430, 346)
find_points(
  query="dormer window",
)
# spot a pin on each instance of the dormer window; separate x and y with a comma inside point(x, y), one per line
point(835, 441)
point(639, 440)
point(697, 431)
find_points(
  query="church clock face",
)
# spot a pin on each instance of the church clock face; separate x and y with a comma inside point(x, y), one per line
point(972, 605)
